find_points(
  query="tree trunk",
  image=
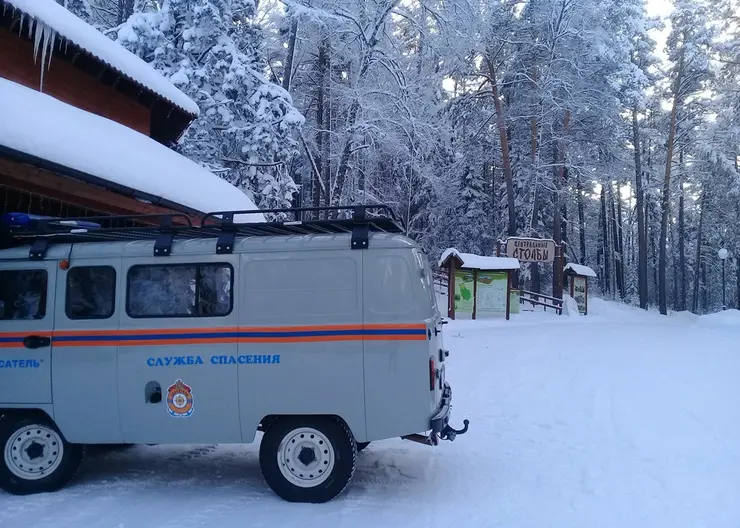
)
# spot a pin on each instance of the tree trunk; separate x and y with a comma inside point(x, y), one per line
point(704, 289)
point(697, 266)
point(343, 167)
point(322, 137)
point(125, 10)
point(504, 140)
point(675, 271)
point(581, 217)
point(534, 226)
point(557, 226)
point(288, 73)
point(620, 232)
point(681, 302)
point(605, 241)
point(665, 205)
point(666, 202)
point(615, 242)
point(737, 268)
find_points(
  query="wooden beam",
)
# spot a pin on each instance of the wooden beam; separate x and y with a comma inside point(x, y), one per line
point(80, 194)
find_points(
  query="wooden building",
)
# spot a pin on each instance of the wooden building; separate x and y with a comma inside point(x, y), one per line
point(86, 126)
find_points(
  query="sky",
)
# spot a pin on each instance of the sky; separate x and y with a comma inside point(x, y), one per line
point(661, 9)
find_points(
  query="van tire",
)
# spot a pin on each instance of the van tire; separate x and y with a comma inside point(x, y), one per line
point(65, 467)
point(295, 484)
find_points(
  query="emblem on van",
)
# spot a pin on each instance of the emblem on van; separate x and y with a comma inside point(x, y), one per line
point(179, 400)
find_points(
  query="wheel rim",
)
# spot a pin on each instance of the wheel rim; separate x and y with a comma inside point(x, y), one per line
point(34, 452)
point(305, 457)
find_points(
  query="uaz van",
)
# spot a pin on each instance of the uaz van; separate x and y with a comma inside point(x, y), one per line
point(323, 334)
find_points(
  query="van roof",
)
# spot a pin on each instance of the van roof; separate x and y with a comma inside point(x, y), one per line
point(216, 234)
point(207, 246)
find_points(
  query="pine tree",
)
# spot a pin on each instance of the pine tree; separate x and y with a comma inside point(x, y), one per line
point(81, 8)
point(213, 52)
point(689, 42)
point(474, 208)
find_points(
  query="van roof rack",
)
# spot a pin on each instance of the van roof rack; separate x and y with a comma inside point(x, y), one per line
point(43, 231)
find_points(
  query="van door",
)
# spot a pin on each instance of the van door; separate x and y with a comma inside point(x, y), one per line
point(302, 338)
point(84, 360)
point(177, 350)
point(399, 397)
point(26, 326)
point(434, 321)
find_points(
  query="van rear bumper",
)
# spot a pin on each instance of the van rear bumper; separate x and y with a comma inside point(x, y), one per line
point(440, 423)
point(442, 418)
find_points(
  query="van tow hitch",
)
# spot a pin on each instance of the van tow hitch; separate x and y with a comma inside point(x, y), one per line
point(448, 433)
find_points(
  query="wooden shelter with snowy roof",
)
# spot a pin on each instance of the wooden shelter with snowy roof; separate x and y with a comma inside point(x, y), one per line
point(577, 276)
point(478, 286)
point(87, 126)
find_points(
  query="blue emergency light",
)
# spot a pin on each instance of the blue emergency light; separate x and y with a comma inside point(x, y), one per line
point(28, 219)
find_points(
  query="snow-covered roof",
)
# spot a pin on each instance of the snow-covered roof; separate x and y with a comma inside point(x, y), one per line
point(579, 269)
point(40, 125)
point(480, 262)
point(71, 28)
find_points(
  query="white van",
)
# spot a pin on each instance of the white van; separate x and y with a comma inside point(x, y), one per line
point(323, 334)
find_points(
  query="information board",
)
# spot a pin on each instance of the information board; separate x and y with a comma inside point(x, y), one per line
point(579, 292)
point(464, 289)
point(491, 293)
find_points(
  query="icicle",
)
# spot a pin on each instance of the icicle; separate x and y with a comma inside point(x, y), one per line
point(35, 32)
point(43, 37)
point(48, 50)
point(20, 28)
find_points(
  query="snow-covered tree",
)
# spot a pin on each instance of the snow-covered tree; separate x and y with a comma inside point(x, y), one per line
point(81, 8)
point(476, 120)
point(213, 52)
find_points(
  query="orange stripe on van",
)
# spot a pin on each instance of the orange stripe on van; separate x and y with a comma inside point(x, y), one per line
point(224, 335)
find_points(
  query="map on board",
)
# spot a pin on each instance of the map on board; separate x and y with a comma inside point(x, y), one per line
point(491, 293)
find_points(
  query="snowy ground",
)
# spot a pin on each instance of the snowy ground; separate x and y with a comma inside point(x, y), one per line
point(620, 419)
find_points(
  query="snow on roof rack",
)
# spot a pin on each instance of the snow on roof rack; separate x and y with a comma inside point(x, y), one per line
point(41, 231)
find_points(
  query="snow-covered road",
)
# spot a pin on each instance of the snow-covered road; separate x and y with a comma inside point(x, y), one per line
point(620, 419)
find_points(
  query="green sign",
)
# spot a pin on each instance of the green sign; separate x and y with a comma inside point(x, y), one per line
point(464, 288)
point(492, 293)
point(514, 303)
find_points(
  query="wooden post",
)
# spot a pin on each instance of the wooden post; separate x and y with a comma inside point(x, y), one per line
point(508, 294)
point(498, 248)
point(475, 292)
point(451, 290)
point(572, 287)
point(585, 281)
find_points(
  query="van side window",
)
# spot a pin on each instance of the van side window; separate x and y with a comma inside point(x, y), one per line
point(393, 291)
point(23, 294)
point(198, 290)
point(293, 289)
point(91, 292)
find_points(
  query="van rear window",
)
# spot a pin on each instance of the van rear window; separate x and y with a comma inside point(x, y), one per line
point(188, 290)
point(91, 292)
point(23, 294)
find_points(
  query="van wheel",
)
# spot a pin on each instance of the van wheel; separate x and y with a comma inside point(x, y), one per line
point(307, 459)
point(36, 457)
point(362, 445)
